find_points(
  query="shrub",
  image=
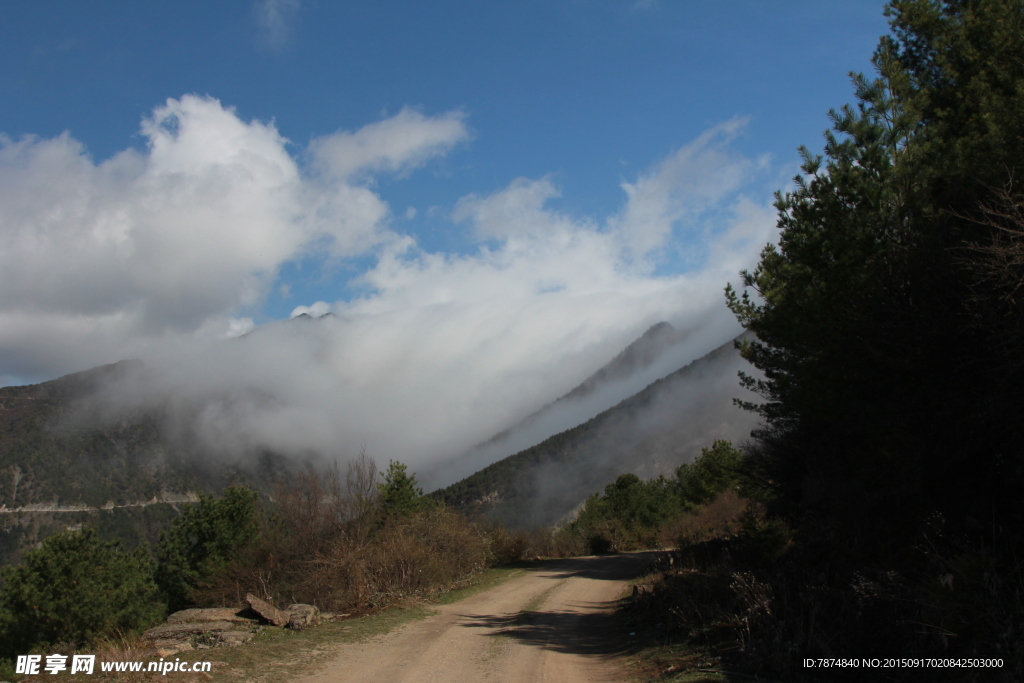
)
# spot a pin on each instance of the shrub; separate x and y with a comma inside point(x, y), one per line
point(628, 515)
point(203, 540)
point(330, 542)
point(422, 553)
point(399, 493)
point(507, 547)
point(713, 471)
point(75, 588)
point(764, 540)
point(719, 518)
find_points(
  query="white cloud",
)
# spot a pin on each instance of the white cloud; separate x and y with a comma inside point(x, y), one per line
point(317, 310)
point(276, 19)
point(162, 253)
point(396, 145)
point(516, 210)
point(238, 327)
point(101, 261)
point(688, 182)
point(454, 348)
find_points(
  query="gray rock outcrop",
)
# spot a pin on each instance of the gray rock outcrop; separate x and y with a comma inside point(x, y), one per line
point(194, 629)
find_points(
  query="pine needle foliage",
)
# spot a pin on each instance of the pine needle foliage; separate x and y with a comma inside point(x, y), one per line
point(73, 589)
point(884, 398)
point(204, 540)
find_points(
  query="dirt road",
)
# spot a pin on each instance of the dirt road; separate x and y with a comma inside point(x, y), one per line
point(552, 624)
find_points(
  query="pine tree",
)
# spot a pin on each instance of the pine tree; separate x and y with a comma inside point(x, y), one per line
point(399, 493)
point(880, 405)
point(204, 539)
point(74, 588)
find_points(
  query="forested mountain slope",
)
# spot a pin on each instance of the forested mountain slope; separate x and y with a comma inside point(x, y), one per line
point(660, 350)
point(64, 463)
point(649, 433)
point(55, 450)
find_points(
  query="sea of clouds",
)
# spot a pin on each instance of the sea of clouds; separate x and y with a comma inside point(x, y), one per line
point(163, 253)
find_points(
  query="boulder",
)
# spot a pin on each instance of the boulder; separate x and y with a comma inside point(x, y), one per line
point(267, 611)
point(301, 616)
point(211, 614)
point(168, 639)
point(234, 638)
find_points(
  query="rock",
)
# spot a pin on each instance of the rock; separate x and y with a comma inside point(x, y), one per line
point(302, 616)
point(234, 638)
point(211, 614)
point(166, 648)
point(192, 632)
point(267, 611)
point(178, 631)
point(642, 589)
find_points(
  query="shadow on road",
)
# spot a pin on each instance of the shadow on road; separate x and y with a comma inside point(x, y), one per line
point(593, 633)
point(604, 567)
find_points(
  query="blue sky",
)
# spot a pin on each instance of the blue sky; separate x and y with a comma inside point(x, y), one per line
point(591, 91)
point(533, 176)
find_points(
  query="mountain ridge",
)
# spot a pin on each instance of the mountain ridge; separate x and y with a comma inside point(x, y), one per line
point(639, 355)
point(582, 459)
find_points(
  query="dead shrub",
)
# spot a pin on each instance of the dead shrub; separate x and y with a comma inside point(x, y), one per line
point(560, 542)
point(508, 547)
point(423, 553)
point(719, 518)
point(324, 541)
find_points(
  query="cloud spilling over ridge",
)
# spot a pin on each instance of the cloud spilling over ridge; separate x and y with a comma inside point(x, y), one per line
point(162, 253)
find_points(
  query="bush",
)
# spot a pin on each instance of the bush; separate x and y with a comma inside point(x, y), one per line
point(764, 540)
point(73, 589)
point(719, 518)
point(507, 547)
point(422, 553)
point(203, 540)
point(712, 472)
point(337, 543)
point(399, 494)
point(628, 515)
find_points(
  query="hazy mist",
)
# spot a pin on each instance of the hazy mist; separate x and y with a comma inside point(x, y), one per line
point(165, 254)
